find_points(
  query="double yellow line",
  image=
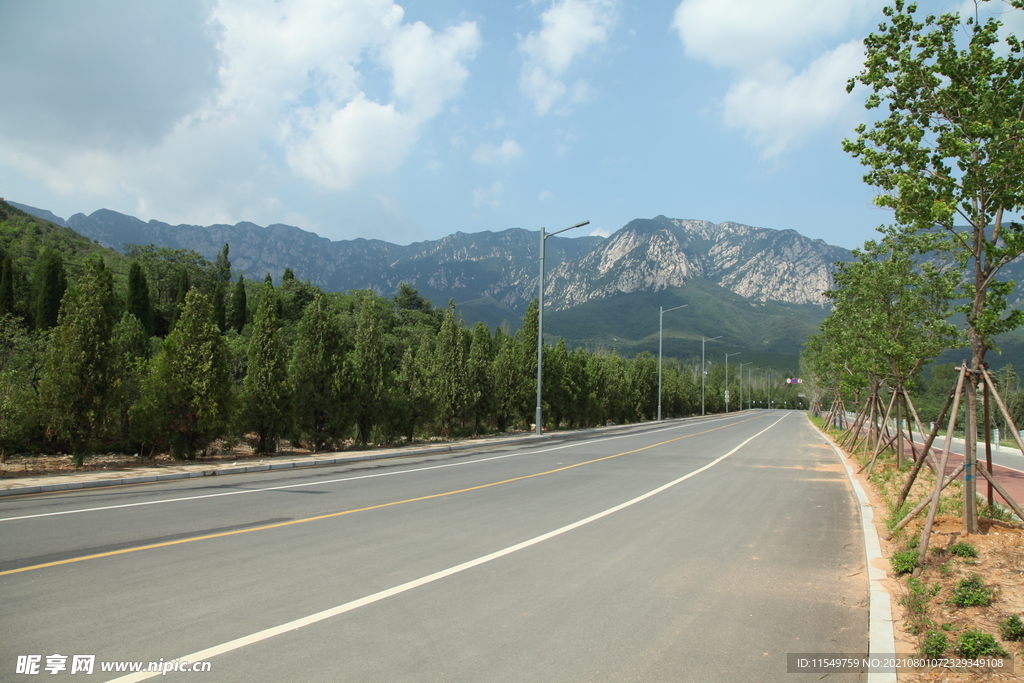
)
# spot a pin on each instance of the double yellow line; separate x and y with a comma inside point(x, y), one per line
point(192, 539)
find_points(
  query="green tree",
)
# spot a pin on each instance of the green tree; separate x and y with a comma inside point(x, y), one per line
point(448, 373)
point(184, 287)
point(139, 303)
point(7, 300)
point(316, 368)
point(266, 393)
point(951, 150)
point(239, 310)
point(222, 266)
point(188, 396)
point(77, 378)
point(368, 366)
point(479, 385)
point(130, 351)
point(22, 355)
point(49, 283)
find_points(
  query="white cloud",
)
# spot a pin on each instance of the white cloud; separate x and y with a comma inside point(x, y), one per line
point(178, 105)
point(600, 232)
point(569, 29)
point(546, 195)
point(777, 107)
point(774, 102)
point(490, 155)
point(488, 196)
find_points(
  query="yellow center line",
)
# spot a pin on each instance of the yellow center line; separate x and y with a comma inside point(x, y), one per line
point(192, 539)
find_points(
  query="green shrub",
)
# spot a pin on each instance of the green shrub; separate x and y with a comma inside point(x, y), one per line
point(1012, 628)
point(934, 645)
point(904, 561)
point(963, 549)
point(974, 643)
point(972, 591)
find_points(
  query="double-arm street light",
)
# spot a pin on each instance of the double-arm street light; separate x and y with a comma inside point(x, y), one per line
point(741, 383)
point(661, 318)
point(702, 368)
point(727, 381)
point(540, 313)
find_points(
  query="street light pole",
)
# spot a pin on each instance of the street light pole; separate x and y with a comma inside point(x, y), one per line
point(702, 370)
point(540, 314)
point(661, 319)
point(741, 383)
point(727, 381)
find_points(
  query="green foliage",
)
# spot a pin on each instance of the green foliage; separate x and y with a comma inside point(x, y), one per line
point(266, 393)
point(48, 284)
point(934, 644)
point(316, 367)
point(77, 378)
point(963, 549)
point(950, 148)
point(139, 303)
point(972, 591)
point(918, 603)
point(22, 355)
point(188, 396)
point(239, 307)
point(904, 561)
point(974, 643)
point(1012, 628)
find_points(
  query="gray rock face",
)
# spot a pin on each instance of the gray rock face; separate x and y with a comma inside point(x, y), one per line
point(645, 255)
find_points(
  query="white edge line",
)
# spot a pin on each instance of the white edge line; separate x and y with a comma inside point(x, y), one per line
point(335, 481)
point(881, 627)
point(204, 655)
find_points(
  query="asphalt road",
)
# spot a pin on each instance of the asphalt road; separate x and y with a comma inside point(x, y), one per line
point(695, 550)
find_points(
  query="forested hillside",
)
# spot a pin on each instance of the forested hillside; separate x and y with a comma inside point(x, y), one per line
point(162, 350)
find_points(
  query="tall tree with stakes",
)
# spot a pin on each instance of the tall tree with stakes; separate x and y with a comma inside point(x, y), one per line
point(950, 153)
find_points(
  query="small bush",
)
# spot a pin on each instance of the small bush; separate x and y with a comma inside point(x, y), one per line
point(963, 549)
point(972, 591)
point(904, 562)
point(934, 645)
point(1012, 628)
point(917, 602)
point(974, 643)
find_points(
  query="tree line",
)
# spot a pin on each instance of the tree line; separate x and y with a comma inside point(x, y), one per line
point(180, 352)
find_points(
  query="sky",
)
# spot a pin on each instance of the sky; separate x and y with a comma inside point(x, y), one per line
point(411, 121)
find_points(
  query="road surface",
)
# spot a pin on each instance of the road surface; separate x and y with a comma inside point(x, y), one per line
point(694, 550)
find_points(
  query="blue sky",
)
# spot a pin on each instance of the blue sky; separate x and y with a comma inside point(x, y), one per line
point(409, 121)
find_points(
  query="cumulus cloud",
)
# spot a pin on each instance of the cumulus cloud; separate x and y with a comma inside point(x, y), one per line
point(789, 74)
point(490, 155)
point(569, 29)
point(219, 102)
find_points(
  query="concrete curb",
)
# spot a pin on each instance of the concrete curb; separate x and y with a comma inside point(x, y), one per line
point(881, 633)
point(263, 467)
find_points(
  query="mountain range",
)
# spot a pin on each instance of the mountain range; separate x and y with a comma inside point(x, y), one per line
point(759, 289)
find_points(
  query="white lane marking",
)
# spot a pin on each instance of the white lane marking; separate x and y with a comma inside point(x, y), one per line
point(343, 479)
point(210, 652)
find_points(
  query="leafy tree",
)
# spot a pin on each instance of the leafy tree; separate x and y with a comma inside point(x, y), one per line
point(367, 367)
point(218, 307)
point(21, 358)
point(188, 397)
point(507, 378)
point(266, 393)
point(527, 345)
point(184, 286)
point(951, 149)
point(130, 351)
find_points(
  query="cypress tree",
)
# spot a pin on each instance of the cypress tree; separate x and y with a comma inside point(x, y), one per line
point(448, 376)
point(238, 306)
point(188, 395)
point(77, 376)
point(219, 307)
point(265, 392)
point(48, 285)
point(184, 286)
point(316, 368)
point(222, 268)
point(139, 303)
